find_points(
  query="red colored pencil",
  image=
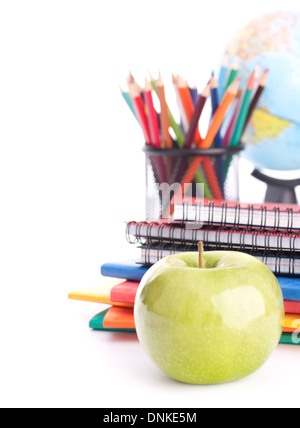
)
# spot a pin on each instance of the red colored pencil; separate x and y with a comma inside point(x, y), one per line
point(152, 115)
point(140, 112)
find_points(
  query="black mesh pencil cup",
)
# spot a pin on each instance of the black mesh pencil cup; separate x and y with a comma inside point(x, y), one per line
point(184, 172)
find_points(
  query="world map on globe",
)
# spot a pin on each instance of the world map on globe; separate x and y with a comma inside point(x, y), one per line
point(272, 137)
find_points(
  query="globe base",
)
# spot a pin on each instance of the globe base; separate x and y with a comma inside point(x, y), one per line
point(278, 191)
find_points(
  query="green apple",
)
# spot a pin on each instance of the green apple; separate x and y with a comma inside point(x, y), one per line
point(212, 324)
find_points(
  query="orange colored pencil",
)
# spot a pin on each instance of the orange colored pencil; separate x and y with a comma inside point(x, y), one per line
point(188, 105)
point(211, 178)
point(165, 121)
point(184, 119)
point(220, 114)
point(213, 129)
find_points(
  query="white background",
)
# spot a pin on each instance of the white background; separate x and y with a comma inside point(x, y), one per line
point(71, 174)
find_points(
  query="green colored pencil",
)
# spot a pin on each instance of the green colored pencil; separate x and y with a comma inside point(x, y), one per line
point(233, 72)
point(243, 113)
point(199, 178)
point(174, 125)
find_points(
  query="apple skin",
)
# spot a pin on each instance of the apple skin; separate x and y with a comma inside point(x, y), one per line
point(210, 325)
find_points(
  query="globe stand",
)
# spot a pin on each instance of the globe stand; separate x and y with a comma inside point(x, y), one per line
point(278, 191)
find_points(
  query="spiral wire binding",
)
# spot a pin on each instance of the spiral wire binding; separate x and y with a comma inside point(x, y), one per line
point(263, 217)
point(249, 223)
point(127, 233)
point(149, 238)
point(223, 214)
point(277, 218)
point(237, 215)
point(164, 239)
point(290, 219)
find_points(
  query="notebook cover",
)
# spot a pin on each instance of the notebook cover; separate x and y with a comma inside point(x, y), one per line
point(114, 318)
point(129, 269)
point(270, 206)
point(292, 321)
point(122, 319)
point(291, 307)
point(117, 293)
point(289, 213)
point(119, 318)
point(290, 288)
point(124, 292)
point(97, 323)
point(290, 339)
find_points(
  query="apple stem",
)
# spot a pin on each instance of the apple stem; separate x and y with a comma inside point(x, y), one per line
point(200, 249)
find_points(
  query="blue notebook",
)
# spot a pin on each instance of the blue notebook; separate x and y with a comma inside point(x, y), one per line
point(290, 288)
point(132, 270)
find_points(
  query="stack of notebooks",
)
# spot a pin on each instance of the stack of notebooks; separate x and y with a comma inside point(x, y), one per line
point(269, 232)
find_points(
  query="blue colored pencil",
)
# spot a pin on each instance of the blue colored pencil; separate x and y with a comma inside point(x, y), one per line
point(222, 76)
point(218, 139)
point(129, 101)
point(194, 94)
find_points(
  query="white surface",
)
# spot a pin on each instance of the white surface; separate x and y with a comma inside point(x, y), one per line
point(71, 173)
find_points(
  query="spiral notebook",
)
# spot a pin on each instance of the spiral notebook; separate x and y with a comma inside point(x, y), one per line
point(278, 263)
point(262, 216)
point(162, 232)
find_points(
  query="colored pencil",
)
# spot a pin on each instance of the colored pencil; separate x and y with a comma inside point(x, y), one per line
point(215, 104)
point(230, 128)
point(140, 112)
point(152, 115)
point(218, 139)
point(241, 119)
point(222, 75)
point(220, 113)
point(156, 161)
point(213, 129)
point(243, 113)
point(165, 120)
point(183, 115)
point(132, 82)
point(233, 72)
point(212, 178)
point(128, 101)
point(180, 166)
point(261, 86)
point(188, 104)
point(199, 178)
point(194, 94)
point(176, 128)
point(196, 114)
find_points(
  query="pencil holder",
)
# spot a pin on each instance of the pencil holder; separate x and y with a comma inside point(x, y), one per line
point(216, 168)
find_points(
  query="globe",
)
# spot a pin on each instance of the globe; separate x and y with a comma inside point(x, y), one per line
point(272, 137)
